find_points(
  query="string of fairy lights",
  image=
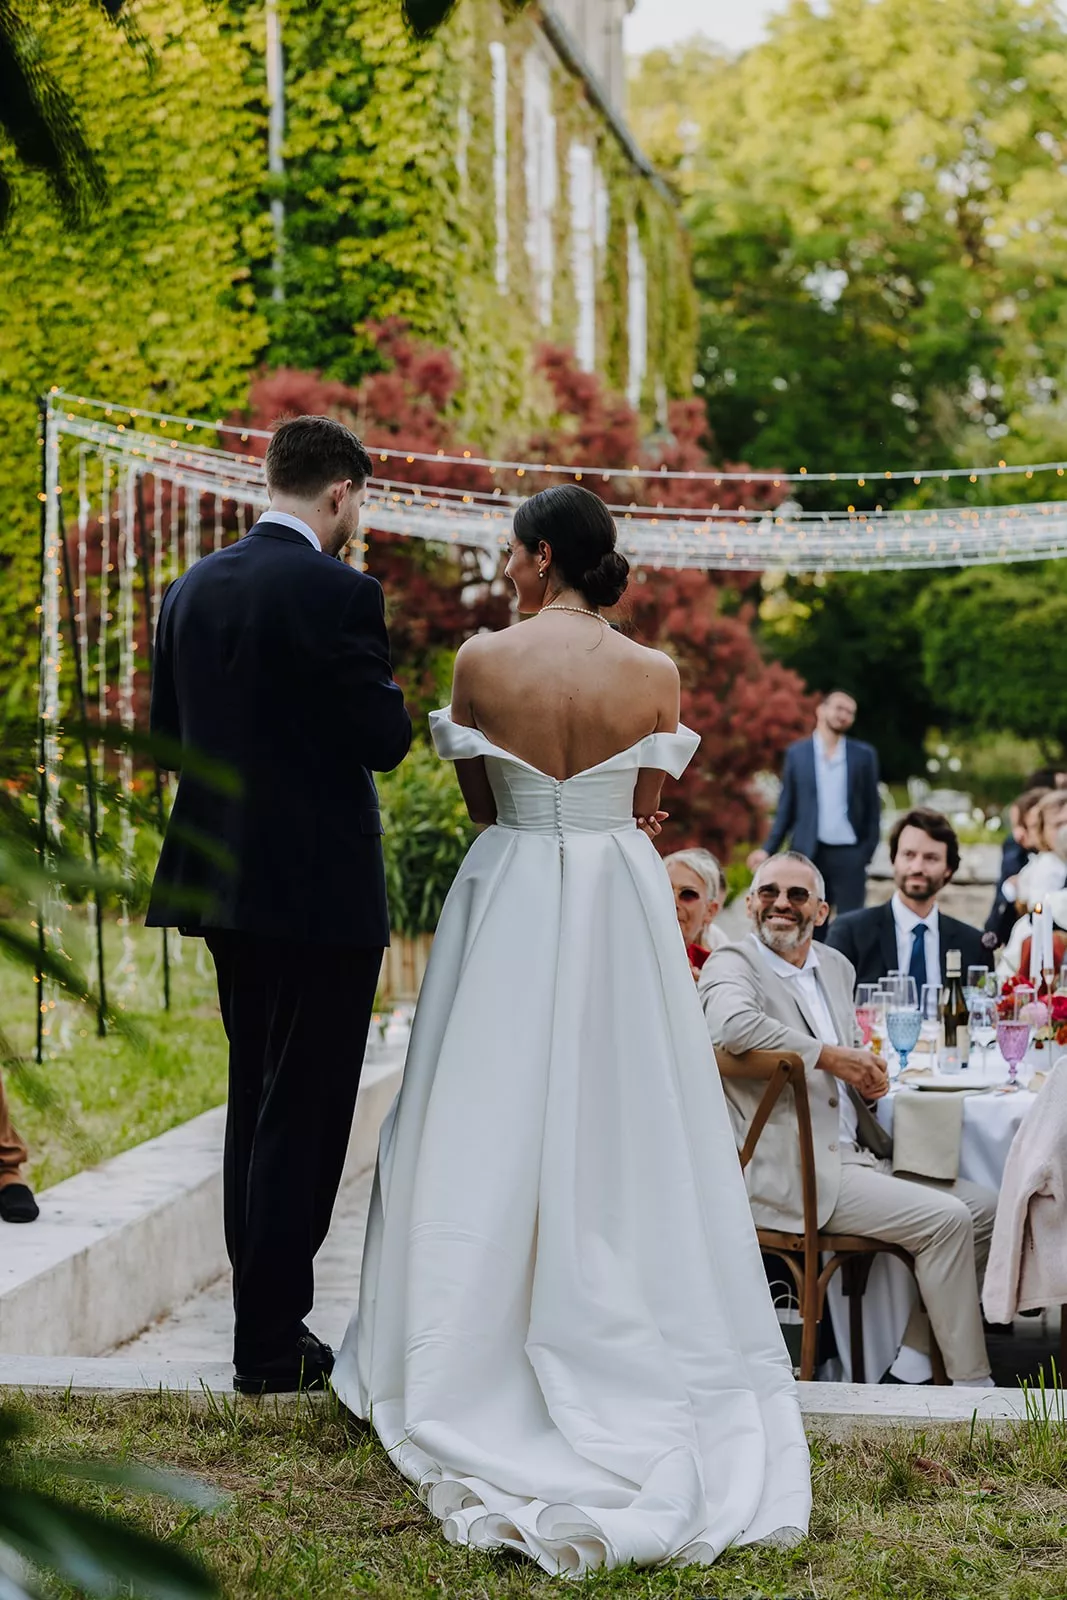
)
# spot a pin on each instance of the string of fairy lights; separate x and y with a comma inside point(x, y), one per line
point(861, 537)
point(155, 492)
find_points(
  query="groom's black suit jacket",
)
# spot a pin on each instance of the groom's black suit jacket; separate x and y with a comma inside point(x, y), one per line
point(272, 659)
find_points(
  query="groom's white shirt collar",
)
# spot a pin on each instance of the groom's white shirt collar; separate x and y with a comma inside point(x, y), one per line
point(287, 521)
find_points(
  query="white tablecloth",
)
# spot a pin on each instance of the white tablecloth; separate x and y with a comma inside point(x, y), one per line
point(990, 1122)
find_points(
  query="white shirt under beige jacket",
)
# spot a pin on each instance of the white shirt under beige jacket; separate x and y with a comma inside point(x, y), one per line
point(748, 1006)
point(1028, 1256)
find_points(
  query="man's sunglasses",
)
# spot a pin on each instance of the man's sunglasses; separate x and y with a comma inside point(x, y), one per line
point(689, 895)
point(769, 892)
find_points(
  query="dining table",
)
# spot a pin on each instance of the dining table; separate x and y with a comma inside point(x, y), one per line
point(993, 1111)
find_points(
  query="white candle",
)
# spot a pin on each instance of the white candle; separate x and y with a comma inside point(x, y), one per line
point(1040, 940)
point(1037, 937)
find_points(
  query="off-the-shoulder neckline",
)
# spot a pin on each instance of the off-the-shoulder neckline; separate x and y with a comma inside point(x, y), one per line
point(444, 714)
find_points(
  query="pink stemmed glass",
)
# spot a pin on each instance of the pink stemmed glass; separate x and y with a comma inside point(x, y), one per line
point(865, 1023)
point(1013, 1039)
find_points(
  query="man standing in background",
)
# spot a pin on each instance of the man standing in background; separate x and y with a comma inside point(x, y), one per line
point(829, 805)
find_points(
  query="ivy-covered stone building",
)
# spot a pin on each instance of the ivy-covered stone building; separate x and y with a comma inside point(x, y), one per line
point(487, 188)
point(482, 186)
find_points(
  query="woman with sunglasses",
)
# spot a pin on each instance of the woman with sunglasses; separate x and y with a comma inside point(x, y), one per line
point(696, 879)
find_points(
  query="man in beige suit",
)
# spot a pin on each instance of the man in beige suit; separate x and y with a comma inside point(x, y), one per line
point(777, 990)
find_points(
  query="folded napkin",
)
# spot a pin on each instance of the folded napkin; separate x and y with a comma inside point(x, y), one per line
point(927, 1130)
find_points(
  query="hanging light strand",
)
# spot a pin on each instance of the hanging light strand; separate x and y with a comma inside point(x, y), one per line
point(746, 538)
point(863, 478)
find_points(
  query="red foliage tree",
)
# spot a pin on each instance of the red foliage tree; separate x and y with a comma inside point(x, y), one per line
point(437, 597)
point(745, 709)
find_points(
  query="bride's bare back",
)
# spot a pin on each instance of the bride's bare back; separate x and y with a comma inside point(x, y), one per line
point(564, 692)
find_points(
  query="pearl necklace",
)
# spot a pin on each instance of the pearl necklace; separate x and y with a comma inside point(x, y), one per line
point(579, 611)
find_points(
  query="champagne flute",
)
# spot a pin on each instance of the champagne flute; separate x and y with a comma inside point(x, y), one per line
point(930, 1009)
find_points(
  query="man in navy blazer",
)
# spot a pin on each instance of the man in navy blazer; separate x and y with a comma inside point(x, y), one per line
point(830, 805)
point(910, 933)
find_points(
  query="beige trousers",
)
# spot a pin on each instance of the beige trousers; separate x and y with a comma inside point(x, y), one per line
point(947, 1228)
point(12, 1150)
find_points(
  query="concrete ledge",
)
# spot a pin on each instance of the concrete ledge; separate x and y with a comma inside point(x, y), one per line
point(835, 1410)
point(126, 1242)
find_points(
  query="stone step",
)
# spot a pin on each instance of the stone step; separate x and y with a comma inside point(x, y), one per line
point(836, 1410)
point(124, 1243)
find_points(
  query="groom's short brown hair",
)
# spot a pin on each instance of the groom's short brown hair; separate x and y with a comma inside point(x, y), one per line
point(307, 454)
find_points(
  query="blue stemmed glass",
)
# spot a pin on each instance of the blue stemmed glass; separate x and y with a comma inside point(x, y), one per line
point(904, 1028)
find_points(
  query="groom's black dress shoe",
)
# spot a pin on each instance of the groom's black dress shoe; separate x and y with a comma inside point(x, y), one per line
point(308, 1366)
point(17, 1203)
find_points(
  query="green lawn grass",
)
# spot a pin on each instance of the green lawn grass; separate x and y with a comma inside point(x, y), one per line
point(315, 1511)
point(94, 1097)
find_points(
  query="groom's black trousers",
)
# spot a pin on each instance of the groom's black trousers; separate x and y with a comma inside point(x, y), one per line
point(296, 1017)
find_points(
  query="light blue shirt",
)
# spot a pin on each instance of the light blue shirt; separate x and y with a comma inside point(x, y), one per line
point(831, 786)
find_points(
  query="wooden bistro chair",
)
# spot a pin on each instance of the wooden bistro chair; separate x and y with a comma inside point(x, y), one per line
point(803, 1252)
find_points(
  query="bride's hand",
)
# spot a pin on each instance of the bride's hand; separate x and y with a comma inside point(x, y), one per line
point(652, 825)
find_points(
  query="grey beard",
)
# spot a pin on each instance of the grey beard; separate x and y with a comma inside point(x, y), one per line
point(787, 940)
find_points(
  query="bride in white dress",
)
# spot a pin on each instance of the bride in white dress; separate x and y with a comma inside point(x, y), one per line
point(565, 1337)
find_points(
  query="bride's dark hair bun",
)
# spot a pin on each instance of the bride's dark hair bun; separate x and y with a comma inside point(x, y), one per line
point(581, 532)
point(604, 584)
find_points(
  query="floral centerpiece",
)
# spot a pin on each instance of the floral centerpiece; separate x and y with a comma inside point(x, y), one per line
point(1047, 1018)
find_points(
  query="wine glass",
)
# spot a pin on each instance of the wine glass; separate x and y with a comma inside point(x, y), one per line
point(904, 1027)
point(982, 1023)
point(1013, 1039)
point(975, 985)
point(865, 1010)
point(1024, 995)
point(890, 986)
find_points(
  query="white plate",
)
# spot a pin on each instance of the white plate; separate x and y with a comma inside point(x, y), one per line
point(951, 1083)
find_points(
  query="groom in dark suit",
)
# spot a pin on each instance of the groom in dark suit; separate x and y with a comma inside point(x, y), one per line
point(830, 805)
point(273, 678)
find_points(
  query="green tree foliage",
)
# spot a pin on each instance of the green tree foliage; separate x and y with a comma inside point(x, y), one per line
point(41, 122)
point(860, 633)
point(1014, 623)
point(879, 200)
point(424, 17)
point(46, 1529)
point(427, 835)
point(878, 195)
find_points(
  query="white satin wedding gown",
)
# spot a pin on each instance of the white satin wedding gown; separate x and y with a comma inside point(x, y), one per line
point(565, 1337)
